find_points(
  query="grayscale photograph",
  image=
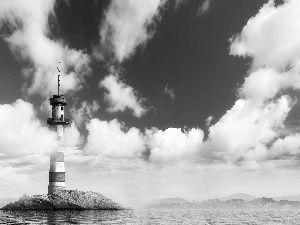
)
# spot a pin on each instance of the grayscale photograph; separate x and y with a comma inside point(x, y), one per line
point(149, 112)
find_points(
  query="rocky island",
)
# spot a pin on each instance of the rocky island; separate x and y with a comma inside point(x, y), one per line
point(65, 199)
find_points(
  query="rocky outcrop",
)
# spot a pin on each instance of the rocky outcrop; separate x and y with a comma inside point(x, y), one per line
point(65, 199)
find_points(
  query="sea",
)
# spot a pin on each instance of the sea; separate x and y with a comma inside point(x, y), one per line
point(153, 216)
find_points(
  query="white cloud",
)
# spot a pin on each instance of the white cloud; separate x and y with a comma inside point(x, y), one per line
point(271, 39)
point(272, 36)
point(30, 43)
point(242, 133)
point(246, 127)
point(72, 136)
point(203, 8)
point(262, 85)
point(287, 146)
point(21, 132)
point(208, 120)
point(170, 91)
point(85, 112)
point(126, 26)
point(121, 96)
point(265, 83)
point(111, 139)
point(173, 144)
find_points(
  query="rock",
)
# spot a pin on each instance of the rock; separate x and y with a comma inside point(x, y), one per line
point(65, 199)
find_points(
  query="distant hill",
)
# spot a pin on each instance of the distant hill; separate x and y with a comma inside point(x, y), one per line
point(171, 200)
point(236, 201)
point(239, 196)
point(258, 203)
point(166, 203)
point(289, 198)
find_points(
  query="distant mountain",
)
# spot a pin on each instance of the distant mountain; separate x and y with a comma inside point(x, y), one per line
point(235, 201)
point(289, 198)
point(250, 197)
point(169, 203)
point(171, 200)
point(239, 196)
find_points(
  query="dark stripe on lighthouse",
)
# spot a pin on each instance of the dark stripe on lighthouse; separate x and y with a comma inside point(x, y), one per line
point(57, 157)
point(56, 176)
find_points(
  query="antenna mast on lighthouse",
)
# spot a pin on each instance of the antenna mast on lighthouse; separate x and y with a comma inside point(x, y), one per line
point(58, 80)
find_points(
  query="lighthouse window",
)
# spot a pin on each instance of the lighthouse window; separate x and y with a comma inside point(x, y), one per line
point(62, 108)
point(62, 117)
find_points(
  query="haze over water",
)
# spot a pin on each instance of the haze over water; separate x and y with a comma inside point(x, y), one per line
point(182, 216)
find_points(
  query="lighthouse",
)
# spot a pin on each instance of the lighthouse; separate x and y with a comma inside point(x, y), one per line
point(57, 122)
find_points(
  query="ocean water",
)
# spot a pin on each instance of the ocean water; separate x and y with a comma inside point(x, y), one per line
point(149, 217)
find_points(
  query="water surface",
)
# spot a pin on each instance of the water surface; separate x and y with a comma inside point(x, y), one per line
point(149, 217)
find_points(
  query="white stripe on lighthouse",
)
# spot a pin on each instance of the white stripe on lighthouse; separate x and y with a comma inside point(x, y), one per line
point(57, 167)
point(56, 184)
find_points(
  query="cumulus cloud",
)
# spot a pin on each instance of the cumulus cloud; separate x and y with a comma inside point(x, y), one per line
point(170, 91)
point(110, 138)
point(85, 112)
point(21, 132)
point(203, 8)
point(126, 26)
point(272, 36)
point(29, 41)
point(113, 139)
point(246, 127)
point(120, 96)
point(287, 146)
point(173, 144)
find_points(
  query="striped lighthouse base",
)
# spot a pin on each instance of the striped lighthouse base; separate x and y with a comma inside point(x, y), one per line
point(56, 172)
point(55, 186)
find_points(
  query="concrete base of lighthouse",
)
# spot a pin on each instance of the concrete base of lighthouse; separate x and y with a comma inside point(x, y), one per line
point(56, 172)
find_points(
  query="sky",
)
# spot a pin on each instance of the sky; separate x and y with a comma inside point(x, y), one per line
point(196, 99)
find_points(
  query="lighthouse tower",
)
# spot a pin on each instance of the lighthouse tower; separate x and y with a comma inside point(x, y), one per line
point(57, 122)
